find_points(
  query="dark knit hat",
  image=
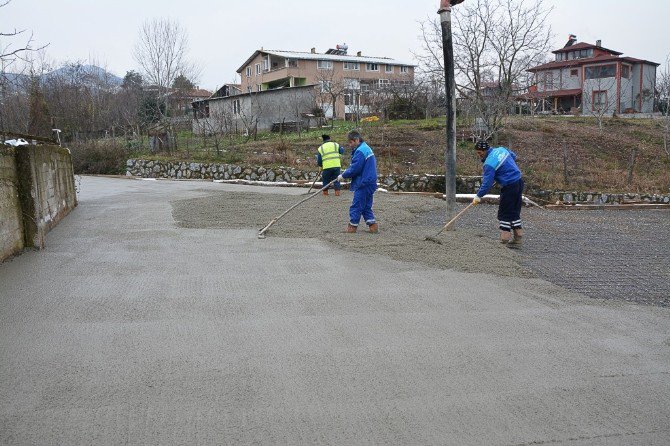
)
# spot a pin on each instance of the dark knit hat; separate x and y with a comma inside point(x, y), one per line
point(325, 137)
point(482, 145)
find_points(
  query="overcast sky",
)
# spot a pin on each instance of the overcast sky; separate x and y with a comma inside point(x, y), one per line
point(223, 34)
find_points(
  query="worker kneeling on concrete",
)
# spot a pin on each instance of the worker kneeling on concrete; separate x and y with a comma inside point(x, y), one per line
point(363, 174)
point(328, 159)
point(500, 165)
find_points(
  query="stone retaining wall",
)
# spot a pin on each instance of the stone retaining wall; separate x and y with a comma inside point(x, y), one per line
point(404, 183)
point(36, 191)
point(11, 222)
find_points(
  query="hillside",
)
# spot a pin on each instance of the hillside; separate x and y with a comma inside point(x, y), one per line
point(596, 160)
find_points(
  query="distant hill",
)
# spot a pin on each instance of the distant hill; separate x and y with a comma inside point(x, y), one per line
point(89, 75)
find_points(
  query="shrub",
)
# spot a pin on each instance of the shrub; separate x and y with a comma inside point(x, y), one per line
point(98, 157)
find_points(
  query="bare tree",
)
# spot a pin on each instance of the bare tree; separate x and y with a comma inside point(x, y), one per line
point(249, 111)
point(331, 88)
point(599, 97)
point(9, 52)
point(162, 53)
point(495, 43)
point(663, 86)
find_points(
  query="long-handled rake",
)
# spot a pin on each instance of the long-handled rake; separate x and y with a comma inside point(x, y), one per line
point(448, 225)
point(261, 233)
point(314, 182)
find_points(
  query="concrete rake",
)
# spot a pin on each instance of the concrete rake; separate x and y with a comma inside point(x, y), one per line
point(261, 233)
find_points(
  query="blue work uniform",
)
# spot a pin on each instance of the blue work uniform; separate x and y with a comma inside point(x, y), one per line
point(500, 166)
point(363, 174)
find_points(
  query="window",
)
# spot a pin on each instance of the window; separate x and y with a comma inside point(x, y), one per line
point(384, 83)
point(599, 100)
point(265, 65)
point(548, 80)
point(291, 63)
point(371, 67)
point(236, 106)
point(388, 69)
point(600, 71)
point(352, 84)
point(325, 86)
point(625, 71)
point(574, 72)
point(324, 64)
point(351, 66)
point(259, 87)
point(249, 88)
point(258, 69)
point(249, 71)
point(404, 69)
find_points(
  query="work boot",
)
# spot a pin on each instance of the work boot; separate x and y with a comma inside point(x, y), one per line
point(337, 193)
point(505, 237)
point(325, 192)
point(351, 229)
point(373, 228)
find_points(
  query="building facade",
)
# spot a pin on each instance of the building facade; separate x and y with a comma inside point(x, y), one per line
point(592, 79)
point(342, 80)
point(255, 111)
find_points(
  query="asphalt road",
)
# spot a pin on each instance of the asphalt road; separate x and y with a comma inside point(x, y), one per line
point(130, 330)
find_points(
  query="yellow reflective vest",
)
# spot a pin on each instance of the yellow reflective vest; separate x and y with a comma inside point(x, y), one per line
point(330, 155)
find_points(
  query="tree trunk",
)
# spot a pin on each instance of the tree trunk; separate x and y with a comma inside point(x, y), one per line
point(631, 165)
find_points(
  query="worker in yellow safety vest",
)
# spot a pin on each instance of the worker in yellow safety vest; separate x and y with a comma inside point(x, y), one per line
point(328, 158)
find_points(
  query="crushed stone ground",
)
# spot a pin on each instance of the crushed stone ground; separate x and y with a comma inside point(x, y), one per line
point(402, 222)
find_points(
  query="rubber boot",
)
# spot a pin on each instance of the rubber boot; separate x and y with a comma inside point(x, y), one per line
point(325, 192)
point(351, 229)
point(373, 228)
point(337, 193)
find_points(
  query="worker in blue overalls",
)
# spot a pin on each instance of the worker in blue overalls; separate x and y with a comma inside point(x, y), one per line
point(500, 166)
point(363, 174)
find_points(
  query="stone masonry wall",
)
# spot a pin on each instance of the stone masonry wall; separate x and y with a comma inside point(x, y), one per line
point(403, 183)
point(11, 221)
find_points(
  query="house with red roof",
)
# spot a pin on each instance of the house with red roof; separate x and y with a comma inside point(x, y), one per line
point(593, 79)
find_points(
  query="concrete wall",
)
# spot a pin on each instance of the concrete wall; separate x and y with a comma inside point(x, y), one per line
point(11, 222)
point(263, 109)
point(37, 191)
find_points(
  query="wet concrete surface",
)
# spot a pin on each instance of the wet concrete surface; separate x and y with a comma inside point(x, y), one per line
point(130, 328)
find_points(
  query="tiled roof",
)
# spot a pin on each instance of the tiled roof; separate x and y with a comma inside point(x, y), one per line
point(584, 46)
point(588, 61)
point(552, 93)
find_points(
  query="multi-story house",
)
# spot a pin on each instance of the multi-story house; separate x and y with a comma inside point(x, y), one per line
point(594, 80)
point(339, 77)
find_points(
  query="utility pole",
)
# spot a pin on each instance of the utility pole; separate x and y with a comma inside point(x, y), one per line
point(450, 89)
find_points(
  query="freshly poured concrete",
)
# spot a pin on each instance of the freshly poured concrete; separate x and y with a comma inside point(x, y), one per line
point(128, 329)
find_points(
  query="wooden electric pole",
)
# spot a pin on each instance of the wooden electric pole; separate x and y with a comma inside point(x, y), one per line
point(450, 90)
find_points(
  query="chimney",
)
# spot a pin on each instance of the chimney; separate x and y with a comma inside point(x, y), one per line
point(571, 40)
point(313, 51)
point(599, 43)
point(359, 54)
